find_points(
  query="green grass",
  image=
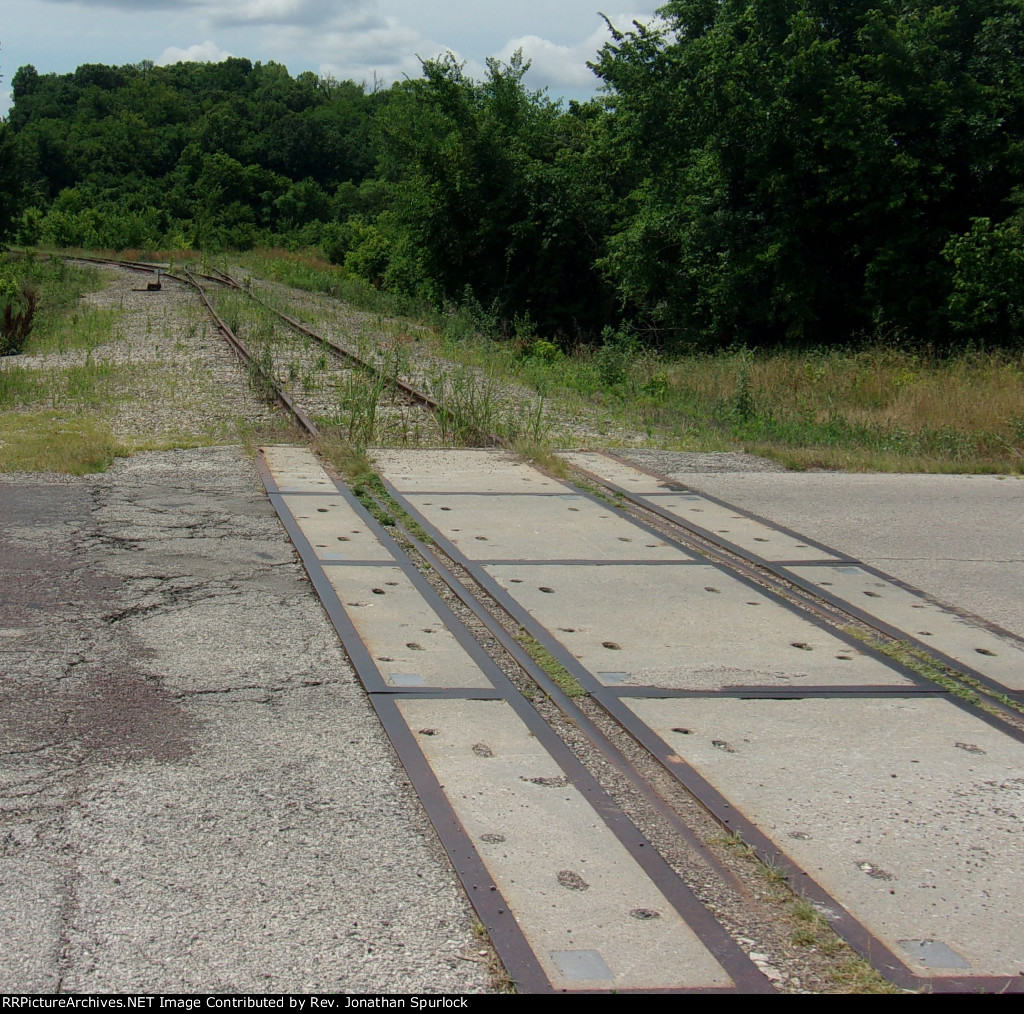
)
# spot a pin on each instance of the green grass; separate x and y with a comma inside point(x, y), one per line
point(565, 680)
point(76, 443)
point(885, 407)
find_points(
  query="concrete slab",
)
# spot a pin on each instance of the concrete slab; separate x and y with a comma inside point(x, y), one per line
point(909, 812)
point(766, 541)
point(997, 657)
point(295, 470)
point(691, 508)
point(591, 914)
point(462, 471)
point(689, 627)
point(957, 537)
point(195, 792)
point(402, 632)
point(334, 529)
point(629, 478)
point(567, 527)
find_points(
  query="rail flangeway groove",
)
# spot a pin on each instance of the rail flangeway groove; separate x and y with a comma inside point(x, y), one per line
point(572, 895)
point(893, 805)
point(987, 653)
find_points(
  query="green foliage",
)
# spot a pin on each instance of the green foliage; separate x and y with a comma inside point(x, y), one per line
point(483, 193)
point(987, 302)
point(791, 170)
point(212, 155)
point(756, 172)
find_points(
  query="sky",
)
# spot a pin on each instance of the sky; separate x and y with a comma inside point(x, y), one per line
point(351, 39)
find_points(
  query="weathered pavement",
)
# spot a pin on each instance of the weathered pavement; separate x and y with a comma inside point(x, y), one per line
point(897, 807)
point(194, 792)
point(192, 797)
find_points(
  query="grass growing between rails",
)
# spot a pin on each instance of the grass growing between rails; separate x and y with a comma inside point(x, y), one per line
point(885, 407)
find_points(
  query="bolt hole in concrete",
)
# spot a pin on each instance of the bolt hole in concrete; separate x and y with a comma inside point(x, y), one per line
point(643, 914)
point(547, 781)
point(428, 732)
point(493, 839)
point(446, 508)
point(682, 731)
point(714, 591)
point(391, 584)
point(721, 744)
point(412, 645)
point(611, 646)
point(801, 645)
point(567, 630)
point(985, 651)
point(481, 538)
point(321, 510)
point(845, 658)
point(344, 538)
point(516, 580)
point(482, 750)
point(379, 591)
point(546, 590)
point(571, 880)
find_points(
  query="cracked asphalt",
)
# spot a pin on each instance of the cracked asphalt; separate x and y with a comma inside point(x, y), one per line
point(194, 791)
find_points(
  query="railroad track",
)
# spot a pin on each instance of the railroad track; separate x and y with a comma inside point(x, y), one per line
point(475, 602)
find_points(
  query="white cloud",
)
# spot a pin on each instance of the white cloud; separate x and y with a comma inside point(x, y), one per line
point(564, 67)
point(359, 47)
point(203, 52)
point(282, 12)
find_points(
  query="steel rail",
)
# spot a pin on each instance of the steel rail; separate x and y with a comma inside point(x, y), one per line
point(807, 595)
point(732, 819)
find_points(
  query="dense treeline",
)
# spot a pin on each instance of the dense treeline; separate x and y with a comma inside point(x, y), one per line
point(754, 172)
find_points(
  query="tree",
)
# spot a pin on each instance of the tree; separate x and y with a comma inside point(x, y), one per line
point(10, 184)
point(792, 170)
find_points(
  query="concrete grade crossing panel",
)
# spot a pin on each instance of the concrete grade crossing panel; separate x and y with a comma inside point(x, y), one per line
point(593, 917)
point(334, 530)
point(545, 527)
point(295, 470)
point(998, 657)
point(756, 537)
point(621, 474)
point(909, 812)
point(691, 627)
point(992, 655)
point(409, 643)
point(463, 471)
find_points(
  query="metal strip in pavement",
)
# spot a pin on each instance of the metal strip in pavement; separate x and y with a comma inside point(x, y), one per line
point(772, 693)
point(785, 570)
point(712, 937)
point(846, 924)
